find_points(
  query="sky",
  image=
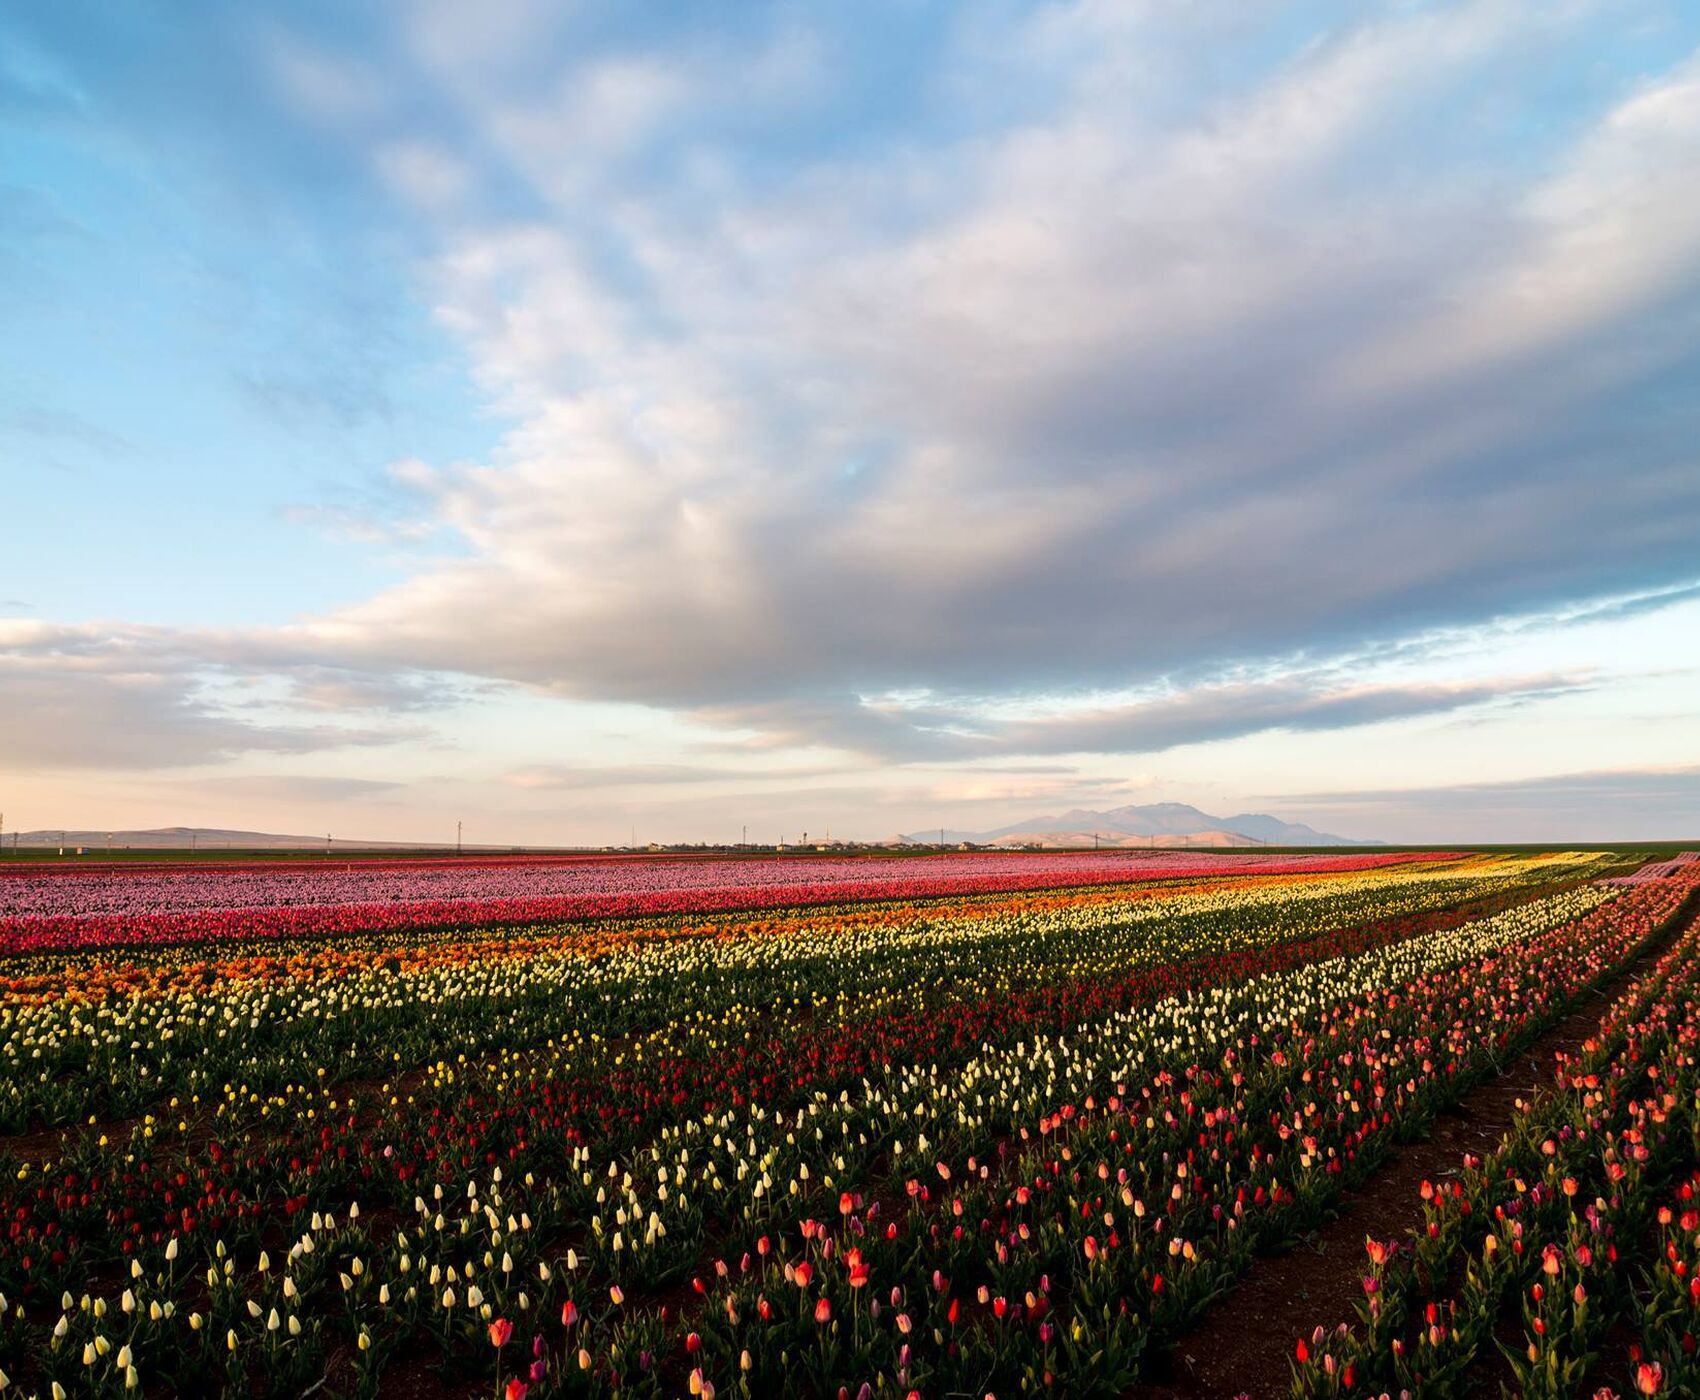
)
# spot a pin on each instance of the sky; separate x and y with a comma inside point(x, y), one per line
point(580, 421)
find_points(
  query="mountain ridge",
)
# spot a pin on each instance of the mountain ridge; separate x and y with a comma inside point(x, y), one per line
point(175, 838)
point(1156, 824)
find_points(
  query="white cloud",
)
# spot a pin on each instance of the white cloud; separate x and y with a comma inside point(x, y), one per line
point(1168, 718)
point(1605, 236)
point(101, 697)
point(330, 86)
point(425, 173)
point(1079, 421)
point(596, 115)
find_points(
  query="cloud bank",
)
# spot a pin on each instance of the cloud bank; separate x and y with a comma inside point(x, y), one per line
point(1121, 398)
point(1075, 380)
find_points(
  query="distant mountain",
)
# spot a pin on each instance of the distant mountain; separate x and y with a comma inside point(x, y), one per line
point(183, 838)
point(1157, 824)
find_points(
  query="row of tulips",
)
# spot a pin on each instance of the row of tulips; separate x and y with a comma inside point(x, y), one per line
point(1667, 1357)
point(919, 1225)
point(569, 1093)
point(1120, 1212)
point(202, 904)
point(1544, 1228)
point(173, 1030)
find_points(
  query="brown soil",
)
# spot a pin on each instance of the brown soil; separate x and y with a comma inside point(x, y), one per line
point(1243, 1344)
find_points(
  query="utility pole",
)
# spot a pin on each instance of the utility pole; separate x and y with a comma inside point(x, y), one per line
point(457, 838)
point(744, 840)
point(327, 845)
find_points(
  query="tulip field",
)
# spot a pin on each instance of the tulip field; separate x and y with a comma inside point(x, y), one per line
point(174, 904)
point(977, 1124)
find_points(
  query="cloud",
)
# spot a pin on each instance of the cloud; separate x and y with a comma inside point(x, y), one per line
point(1197, 714)
point(340, 688)
point(979, 787)
point(297, 788)
point(359, 524)
point(425, 173)
point(554, 777)
point(596, 114)
point(1090, 411)
point(336, 86)
point(1613, 230)
point(1212, 713)
point(74, 718)
point(82, 698)
point(1617, 804)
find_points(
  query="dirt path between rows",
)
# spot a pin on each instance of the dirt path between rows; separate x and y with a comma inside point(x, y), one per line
point(1243, 1344)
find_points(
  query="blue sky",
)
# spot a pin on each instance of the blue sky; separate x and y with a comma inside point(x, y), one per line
point(567, 418)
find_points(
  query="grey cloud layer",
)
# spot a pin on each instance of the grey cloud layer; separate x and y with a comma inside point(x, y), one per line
point(1624, 805)
point(102, 698)
point(548, 777)
point(95, 696)
point(1196, 715)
